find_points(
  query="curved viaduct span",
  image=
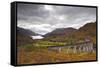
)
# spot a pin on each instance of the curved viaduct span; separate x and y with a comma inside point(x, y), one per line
point(74, 48)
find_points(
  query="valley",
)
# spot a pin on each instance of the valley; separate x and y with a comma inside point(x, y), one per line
point(34, 51)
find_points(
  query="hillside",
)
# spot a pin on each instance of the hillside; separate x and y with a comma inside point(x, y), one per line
point(23, 36)
point(24, 40)
point(71, 35)
point(62, 36)
point(61, 31)
point(25, 32)
point(88, 31)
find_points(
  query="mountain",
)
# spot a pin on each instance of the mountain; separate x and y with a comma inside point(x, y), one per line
point(61, 31)
point(71, 35)
point(61, 35)
point(87, 31)
point(24, 40)
point(89, 27)
point(23, 36)
point(25, 32)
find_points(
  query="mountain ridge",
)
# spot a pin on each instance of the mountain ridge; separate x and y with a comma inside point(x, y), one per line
point(61, 31)
point(25, 32)
point(87, 31)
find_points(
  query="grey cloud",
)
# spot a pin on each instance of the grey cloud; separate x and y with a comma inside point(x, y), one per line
point(58, 16)
point(25, 11)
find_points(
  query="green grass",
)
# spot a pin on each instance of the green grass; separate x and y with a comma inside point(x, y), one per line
point(48, 43)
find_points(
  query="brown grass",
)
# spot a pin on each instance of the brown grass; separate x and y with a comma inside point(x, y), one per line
point(43, 55)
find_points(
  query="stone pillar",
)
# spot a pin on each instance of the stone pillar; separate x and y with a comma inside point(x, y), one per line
point(74, 49)
point(87, 48)
point(84, 48)
point(59, 50)
point(91, 47)
point(80, 49)
point(68, 48)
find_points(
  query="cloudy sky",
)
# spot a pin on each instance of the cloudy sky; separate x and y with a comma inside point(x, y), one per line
point(45, 18)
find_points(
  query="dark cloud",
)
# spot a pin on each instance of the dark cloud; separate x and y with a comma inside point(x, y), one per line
point(25, 11)
point(71, 10)
point(45, 18)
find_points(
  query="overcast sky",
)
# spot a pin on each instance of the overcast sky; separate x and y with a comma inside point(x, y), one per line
point(45, 18)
